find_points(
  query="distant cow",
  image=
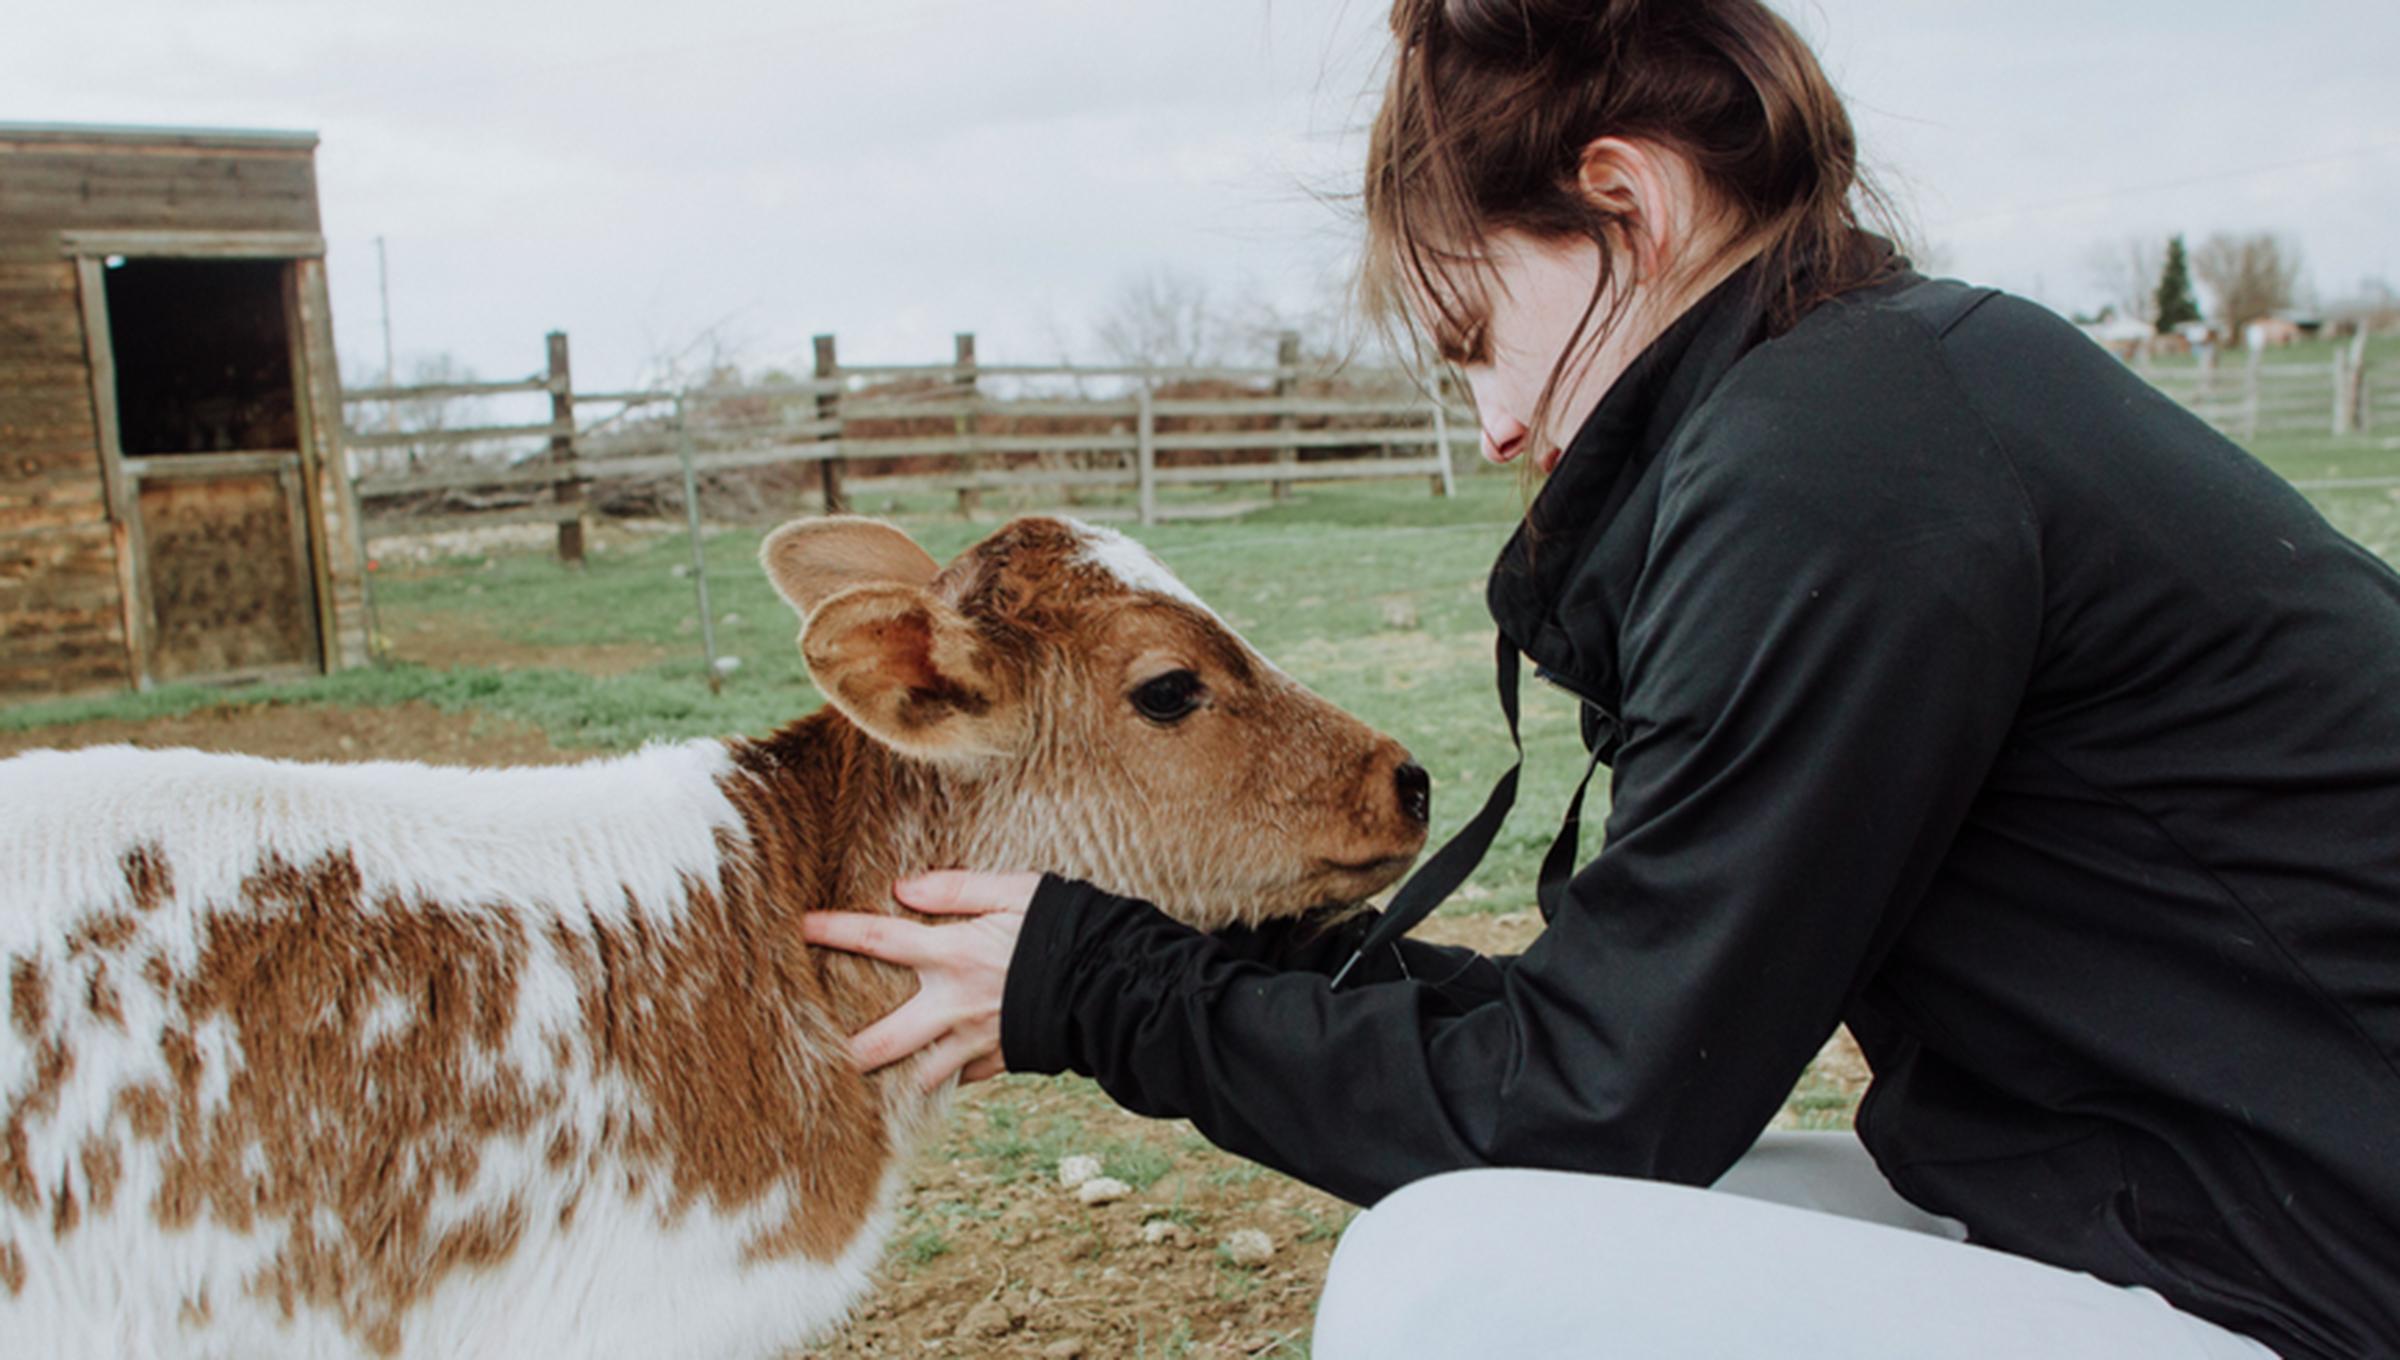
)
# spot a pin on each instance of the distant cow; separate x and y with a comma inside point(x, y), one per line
point(396, 1060)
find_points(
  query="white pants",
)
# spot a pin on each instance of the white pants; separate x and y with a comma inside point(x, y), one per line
point(1801, 1250)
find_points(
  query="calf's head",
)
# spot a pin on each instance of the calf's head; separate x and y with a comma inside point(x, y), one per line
point(1091, 716)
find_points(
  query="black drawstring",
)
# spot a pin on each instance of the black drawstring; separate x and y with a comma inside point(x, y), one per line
point(1440, 875)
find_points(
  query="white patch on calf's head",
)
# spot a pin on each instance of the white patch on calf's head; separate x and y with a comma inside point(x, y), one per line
point(1136, 566)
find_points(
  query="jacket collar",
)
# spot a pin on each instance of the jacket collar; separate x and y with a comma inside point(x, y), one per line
point(1639, 415)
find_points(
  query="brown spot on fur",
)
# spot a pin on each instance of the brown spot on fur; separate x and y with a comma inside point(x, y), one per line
point(12, 1268)
point(484, 1239)
point(160, 975)
point(65, 1210)
point(53, 1063)
point(102, 933)
point(103, 1167)
point(316, 1123)
point(100, 998)
point(145, 1109)
point(28, 998)
point(195, 1311)
point(148, 879)
point(561, 1153)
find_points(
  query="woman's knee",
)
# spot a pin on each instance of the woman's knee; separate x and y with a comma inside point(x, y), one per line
point(1454, 1262)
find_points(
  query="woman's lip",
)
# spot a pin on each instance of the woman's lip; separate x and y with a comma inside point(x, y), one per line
point(1503, 454)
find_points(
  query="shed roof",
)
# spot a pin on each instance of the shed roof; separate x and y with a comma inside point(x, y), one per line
point(134, 135)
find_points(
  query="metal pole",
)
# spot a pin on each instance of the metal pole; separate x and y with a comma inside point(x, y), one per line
point(691, 525)
point(383, 285)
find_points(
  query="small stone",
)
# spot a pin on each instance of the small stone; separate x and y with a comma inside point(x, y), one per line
point(1074, 1171)
point(1163, 1230)
point(1248, 1247)
point(985, 1320)
point(1102, 1190)
point(1065, 1348)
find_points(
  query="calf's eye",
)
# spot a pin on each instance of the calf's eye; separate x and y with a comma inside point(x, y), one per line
point(1168, 698)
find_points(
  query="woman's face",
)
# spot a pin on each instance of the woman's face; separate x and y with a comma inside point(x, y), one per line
point(1537, 294)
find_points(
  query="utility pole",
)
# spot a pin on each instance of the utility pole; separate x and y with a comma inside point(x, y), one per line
point(383, 285)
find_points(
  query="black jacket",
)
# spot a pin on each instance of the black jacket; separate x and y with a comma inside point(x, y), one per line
point(1958, 686)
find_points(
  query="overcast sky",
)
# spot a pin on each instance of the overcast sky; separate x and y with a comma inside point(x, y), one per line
point(646, 175)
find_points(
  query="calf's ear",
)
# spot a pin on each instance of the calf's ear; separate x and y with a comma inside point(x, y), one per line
point(811, 560)
point(913, 673)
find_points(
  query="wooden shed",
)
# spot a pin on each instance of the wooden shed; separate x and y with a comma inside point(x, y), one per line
point(172, 498)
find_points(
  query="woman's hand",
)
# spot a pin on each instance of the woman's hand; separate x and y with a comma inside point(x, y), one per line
point(954, 1019)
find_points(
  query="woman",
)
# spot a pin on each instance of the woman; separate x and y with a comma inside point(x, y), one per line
point(1954, 685)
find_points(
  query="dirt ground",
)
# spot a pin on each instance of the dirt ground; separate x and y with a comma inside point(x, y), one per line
point(316, 732)
point(1203, 1255)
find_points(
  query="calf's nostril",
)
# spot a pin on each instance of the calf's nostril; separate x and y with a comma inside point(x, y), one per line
point(1416, 792)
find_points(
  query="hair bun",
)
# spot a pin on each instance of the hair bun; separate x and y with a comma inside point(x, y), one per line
point(1527, 30)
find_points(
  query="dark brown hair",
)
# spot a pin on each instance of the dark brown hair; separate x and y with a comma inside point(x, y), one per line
point(1491, 104)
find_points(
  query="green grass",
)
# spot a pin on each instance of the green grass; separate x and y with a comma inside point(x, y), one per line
point(1370, 594)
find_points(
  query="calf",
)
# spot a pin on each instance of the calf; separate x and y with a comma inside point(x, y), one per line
point(394, 1060)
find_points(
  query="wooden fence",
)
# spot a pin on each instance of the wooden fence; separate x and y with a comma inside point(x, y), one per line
point(2251, 394)
point(907, 427)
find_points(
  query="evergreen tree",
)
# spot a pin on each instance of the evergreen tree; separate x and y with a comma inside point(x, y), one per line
point(2176, 305)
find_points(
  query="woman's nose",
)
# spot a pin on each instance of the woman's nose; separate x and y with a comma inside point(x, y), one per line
point(1503, 438)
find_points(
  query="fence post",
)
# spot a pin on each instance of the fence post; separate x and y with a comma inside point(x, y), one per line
point(1287, 378)
point(2355, 394)
point(2250, 377)
point(568, 491)
point(1445, 483)
point(1145, 455)
point(829, 407)
point(970, 499)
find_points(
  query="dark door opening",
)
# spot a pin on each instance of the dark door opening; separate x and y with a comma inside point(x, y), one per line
point(208, 422)
point(204, 356)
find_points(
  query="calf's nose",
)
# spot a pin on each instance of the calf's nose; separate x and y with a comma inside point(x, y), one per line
point(1416, 792)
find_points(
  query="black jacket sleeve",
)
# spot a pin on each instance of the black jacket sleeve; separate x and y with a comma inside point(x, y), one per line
point(1821, 658)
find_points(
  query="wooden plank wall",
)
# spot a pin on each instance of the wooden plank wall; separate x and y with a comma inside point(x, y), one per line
point(337, 543)
point(51, 184)
point(62, 624)
point(62, 612)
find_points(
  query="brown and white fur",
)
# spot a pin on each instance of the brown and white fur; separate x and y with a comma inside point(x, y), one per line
point(389, 1060)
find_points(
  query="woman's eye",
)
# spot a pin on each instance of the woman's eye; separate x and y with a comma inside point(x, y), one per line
point(1169, 698)
point(1464, 346)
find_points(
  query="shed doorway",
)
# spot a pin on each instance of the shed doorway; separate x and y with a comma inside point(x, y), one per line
point(208, 434)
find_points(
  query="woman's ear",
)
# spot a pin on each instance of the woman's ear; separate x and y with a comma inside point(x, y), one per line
point(913, 673)
point(1634, 182)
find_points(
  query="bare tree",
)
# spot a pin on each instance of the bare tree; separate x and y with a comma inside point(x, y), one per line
point(2126, 273)
point(1161, 316)
point(2373, 305)
point(2250, 277)
point(413, 415)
